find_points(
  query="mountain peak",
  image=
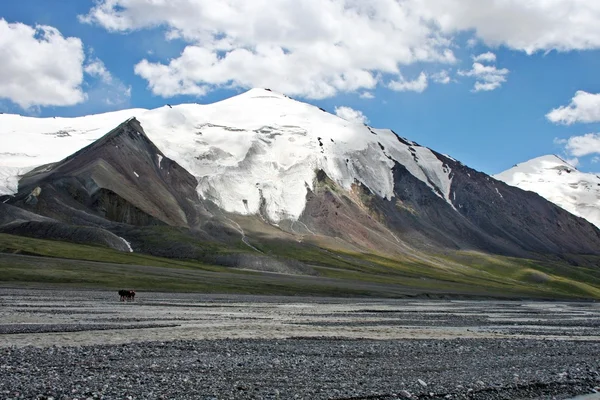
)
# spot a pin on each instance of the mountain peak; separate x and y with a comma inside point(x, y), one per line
point(536, 165)
point(255, 94)
point(260, 92)
point(559, 182)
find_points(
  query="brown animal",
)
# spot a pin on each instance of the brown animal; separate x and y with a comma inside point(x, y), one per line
point(127, 295)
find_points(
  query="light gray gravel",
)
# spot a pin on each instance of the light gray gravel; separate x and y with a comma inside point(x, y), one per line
point(86, 344)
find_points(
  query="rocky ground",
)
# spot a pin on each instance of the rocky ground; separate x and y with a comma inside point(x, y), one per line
point(80, 345)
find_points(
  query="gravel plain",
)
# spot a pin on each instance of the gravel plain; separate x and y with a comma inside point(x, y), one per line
point(67, 344)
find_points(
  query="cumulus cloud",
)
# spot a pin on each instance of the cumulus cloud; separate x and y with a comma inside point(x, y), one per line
point(312, 48)
point(39, 66)
point(367, 95)
point(318, 48)
point(96, 68)
point(351, 115)
point(487, 77)
point(583, 145)
point(488, 57)
point(584, 107)
point(402, 85)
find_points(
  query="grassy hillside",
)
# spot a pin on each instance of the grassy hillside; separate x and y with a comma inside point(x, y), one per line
point(26, 261)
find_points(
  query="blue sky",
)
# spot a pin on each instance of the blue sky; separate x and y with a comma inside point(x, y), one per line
point(331, 54)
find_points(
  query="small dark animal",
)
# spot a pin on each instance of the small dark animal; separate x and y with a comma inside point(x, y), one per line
point(127, 295)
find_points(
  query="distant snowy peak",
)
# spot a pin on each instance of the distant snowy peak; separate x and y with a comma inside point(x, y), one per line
point(547, 162)
point(559, 182)
point(257, 152)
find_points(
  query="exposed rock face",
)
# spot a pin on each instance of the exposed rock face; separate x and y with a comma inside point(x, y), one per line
point(485, 215)
point(10, 214)
point(336, 213)
point(121, 177)
point(17, 221)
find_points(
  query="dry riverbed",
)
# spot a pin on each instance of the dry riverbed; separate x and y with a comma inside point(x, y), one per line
point(67, 344)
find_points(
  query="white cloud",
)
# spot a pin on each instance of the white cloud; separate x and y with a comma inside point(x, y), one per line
point(367, 95)
point(580, 146)
point(97, 69)
point(442, 77)
point(487, 77)
point(39, 66)
point(311, 48)
point(418, 85)
point(584, 107)
point(488, 57)
point(530, 26)
point(318, 48)
point(351, 115)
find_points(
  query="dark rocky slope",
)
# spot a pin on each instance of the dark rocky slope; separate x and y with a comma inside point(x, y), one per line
point(485, 215)
point(69, 233)
point(121, 177)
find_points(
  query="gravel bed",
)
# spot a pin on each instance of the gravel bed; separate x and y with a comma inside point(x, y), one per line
point(304, 368)
point(550, 332)
point(8, 329)
point(57, 344)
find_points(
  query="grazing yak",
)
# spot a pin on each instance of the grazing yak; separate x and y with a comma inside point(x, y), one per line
point(127, 295)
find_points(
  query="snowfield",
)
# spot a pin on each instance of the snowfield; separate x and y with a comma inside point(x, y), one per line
point(559, 182)
point(257, 149)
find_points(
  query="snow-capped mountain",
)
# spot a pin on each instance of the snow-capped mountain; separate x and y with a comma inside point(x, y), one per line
point(256, 149)
point(556, 180)
point(261, 167)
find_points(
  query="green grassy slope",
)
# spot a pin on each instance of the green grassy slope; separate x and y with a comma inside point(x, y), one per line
point(29, 261)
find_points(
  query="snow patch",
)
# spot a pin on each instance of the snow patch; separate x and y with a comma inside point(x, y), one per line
point(451, 158)
point(136, 174)
point(9, 179)
point(127, 244)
